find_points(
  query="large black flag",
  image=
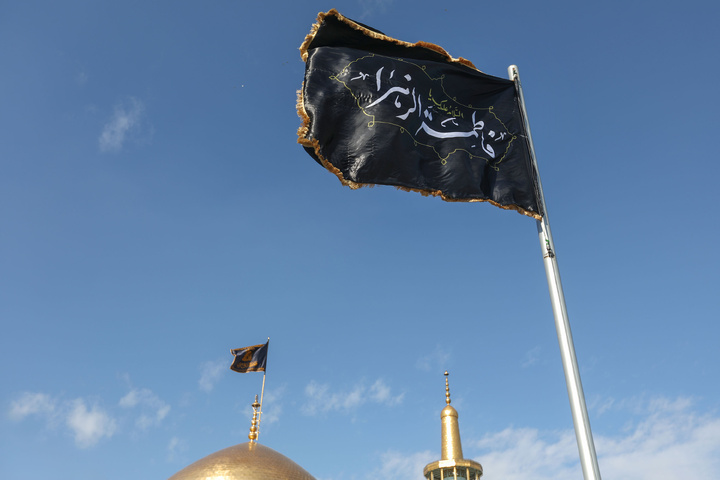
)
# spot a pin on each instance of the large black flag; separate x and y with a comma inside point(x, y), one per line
point(377, 110)
point(250, 359)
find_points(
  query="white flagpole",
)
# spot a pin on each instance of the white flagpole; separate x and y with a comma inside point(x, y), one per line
point(586, 446)
point(262, 391)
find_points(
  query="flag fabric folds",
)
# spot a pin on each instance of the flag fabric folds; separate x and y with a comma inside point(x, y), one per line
point(250, 359)
point(377, 110)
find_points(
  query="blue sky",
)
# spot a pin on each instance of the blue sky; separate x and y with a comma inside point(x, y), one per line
point(157, 211)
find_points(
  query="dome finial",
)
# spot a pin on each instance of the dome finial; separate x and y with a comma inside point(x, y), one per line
point(451, 465)
point(447, 388)
point(253, 435)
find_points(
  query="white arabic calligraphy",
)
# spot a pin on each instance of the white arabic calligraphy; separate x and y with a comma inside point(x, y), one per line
point(440, 118)
point(404, 91)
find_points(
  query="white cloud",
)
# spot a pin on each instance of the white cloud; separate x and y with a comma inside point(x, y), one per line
point(89, 426)
point(154, 409)
point(211, 372)
point(380, 393)
point(436, 360)
point(370, 7)
point(174, 448)
point(401, 466)
point(666, 439)
point(127, 118)
point(531, 357)
point(31, 404)
point(86, 421)
point(515, 454)
point(672, 442)
point(600, 405)
point(320, 399)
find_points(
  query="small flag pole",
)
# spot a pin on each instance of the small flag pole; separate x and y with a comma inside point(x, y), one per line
point(586, 446)
point(262, 394)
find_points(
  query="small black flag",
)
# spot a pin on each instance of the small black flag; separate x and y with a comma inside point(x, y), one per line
point(377, 110)
point(250, 359)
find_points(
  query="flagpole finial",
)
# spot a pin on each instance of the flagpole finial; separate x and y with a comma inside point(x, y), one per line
point(253, 435)
point(447, 388)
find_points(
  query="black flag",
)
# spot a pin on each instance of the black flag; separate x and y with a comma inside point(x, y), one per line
point(377, 110)
point(250, 359)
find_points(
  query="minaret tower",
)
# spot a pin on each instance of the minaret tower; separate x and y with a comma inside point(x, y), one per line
point(452, 465)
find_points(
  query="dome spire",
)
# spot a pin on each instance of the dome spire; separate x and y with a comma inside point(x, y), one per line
point(450, 438)
point(447, 388)
point(253, 435)
point(452, 465)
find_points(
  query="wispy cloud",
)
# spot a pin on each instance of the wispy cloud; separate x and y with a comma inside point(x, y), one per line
point(515, 453)
point(600, 405)
point(531, 357)
point(672, 441)
point(370, 7)
point(86, 420)
point(31, 404)
point(433, 361)
point(380, 393)
point(667, 439)
point(210, 374)
point(153, 409)
point(174, 448)
point(89, 425)
point(320, 398)
point(398, 465)
point(126, 119)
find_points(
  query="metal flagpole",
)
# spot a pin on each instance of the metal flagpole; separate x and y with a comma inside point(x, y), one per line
point(262, 394)
point(586, 446)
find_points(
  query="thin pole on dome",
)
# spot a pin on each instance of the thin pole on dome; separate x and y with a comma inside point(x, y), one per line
point(262, 393)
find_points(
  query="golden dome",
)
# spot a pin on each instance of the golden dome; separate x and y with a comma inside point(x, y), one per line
point(247, 461)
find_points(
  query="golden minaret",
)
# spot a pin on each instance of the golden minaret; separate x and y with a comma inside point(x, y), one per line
point(452, 465)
